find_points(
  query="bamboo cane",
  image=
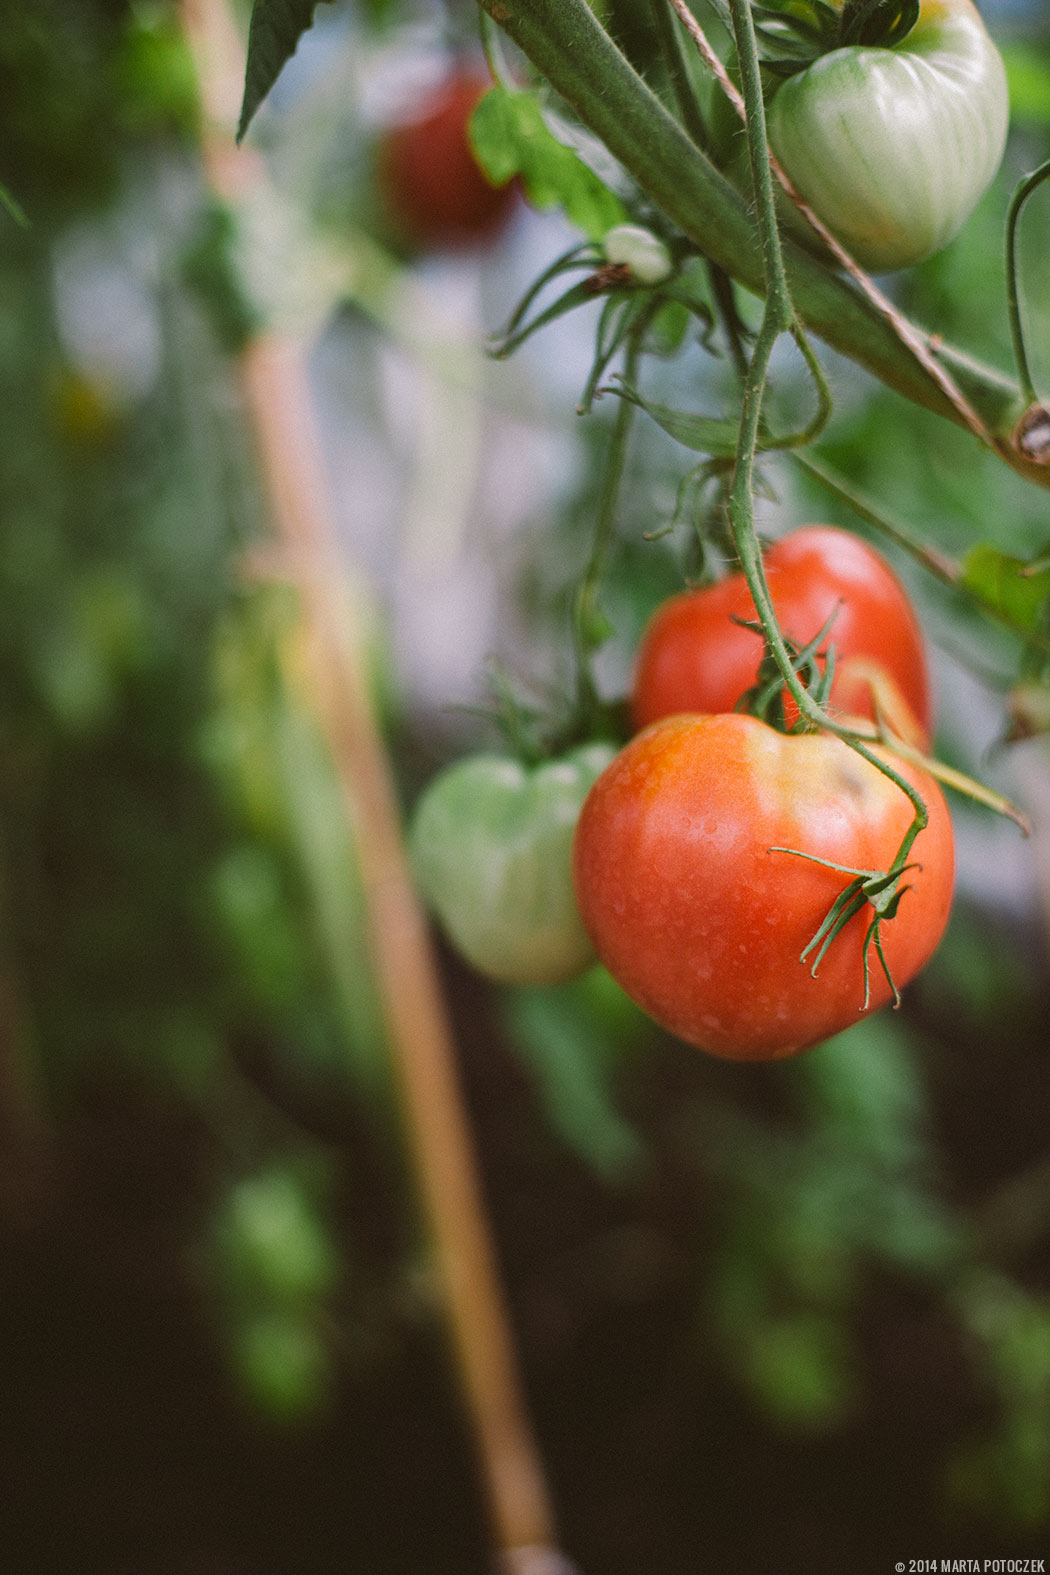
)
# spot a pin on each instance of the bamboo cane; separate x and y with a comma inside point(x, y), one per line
point(279, 409)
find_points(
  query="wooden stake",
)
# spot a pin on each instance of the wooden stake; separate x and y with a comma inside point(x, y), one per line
point(279, 406)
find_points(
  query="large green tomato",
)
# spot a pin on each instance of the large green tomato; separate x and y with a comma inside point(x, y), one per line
point(491, 846)
point(893, 147)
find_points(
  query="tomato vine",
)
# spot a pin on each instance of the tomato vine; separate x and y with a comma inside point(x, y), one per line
point(1033, 430)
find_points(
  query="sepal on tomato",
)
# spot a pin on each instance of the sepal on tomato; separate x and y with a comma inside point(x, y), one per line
point(710, 857)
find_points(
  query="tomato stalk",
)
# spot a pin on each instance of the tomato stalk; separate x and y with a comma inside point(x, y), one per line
point(765, 699)
point(586, 616)
point(880, 889)
point(935, 562)
point(1033, 431)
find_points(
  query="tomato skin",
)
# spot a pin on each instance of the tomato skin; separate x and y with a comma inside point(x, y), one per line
point(693, 657)
point(894, 147)
point(703, 925)
point(491, 846)
point(432, 185)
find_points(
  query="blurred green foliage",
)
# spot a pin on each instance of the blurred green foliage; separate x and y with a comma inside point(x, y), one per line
point(181, 898)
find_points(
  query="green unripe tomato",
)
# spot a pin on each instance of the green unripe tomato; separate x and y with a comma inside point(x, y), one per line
point(491, 845)
point(639, 250)
point(893, 147)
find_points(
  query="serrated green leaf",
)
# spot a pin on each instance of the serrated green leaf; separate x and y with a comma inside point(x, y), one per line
point(1007, 584)
point(510, 137)
point(703, 434)
point(273, 35)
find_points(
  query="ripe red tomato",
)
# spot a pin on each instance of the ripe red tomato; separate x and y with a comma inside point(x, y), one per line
point(431, 184)
point(693, 657)
point(703, 923)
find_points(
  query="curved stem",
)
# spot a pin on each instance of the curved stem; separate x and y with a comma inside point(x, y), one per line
point(778, 316)
point(816, 372)
point(585, 603)
point(1013, 305)
point(935, 562)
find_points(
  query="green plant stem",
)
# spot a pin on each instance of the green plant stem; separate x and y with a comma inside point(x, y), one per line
point(693, 120)
point(1013, 305)
point(568, 45)
point(778, 300)
point(937, 563)
point(585, 607)
point(778, 316)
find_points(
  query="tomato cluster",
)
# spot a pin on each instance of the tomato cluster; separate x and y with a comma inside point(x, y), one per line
point(702, 861)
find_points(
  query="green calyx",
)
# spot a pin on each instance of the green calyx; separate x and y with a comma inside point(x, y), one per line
point(791, 34)
point(813, 665)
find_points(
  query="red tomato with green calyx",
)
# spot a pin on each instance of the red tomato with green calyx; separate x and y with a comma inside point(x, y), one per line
point(695, 657)
point(700, 917)
point(432, 185)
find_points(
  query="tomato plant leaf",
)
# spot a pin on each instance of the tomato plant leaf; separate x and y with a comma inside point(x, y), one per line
point(1007, 584)
point(510, 137)
point(273, 35)
point(703, 434)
